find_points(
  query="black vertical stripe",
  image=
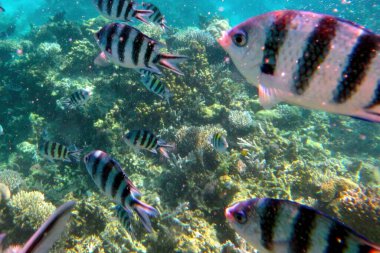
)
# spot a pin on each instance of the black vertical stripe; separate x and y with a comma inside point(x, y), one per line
point(95, 165)
point(275, 39)
point(376, 97)
point(137, 136)
point(150, 140)
point(111, 32)
point(143, 139)
point(109, 7)
point(137, 44)
point(364, 249)
point(60, 151)
point(148, 53)
point(154, 144)
point(100, 5)
point(358, 64)
point(302, 230)
point(125, 194)
point(107, 169)
point(124, 35)
point(128, 10)
point(268, 219)
point(152, 82)
point(317, 48)
point(120, 8)
point(64, 152)
point(116, 183)
point(52, 149)
point(158, 85)
point(46, 148)
point(337, 239)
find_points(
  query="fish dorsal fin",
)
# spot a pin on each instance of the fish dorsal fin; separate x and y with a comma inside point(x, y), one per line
point(268, 97)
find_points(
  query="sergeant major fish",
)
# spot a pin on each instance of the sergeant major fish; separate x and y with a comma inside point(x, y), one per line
point(156, 16)
point(45, 237)
point(77, 99)
point(121, 10)
point(312, 60)
point(112, 180)
point(274, 225)
point(144, 139)
point(218, 142)
point(155, 85)
point(128, 47)
point(56, 151)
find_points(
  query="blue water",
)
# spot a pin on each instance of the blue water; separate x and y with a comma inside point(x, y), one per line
point(326, 161)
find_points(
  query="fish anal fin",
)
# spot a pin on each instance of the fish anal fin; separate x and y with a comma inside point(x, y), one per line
point(268, 97)
point(367, 115)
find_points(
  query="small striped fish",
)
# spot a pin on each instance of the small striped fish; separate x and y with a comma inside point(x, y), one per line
point(156, 17)
point(112, 180)
point(125, 217)
point(78, 98)
point(144, 139)
point(126, 46)
point(218, 142)
point(121, 10)
point(45, 237)
point(312, 60)
point(56, 151)
point(153, 84)
point(273, 225)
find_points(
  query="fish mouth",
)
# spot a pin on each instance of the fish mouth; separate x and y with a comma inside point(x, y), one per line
point(224, 40)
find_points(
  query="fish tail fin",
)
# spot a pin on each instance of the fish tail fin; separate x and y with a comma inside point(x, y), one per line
point(163, 25)
point(144, 211)
point(168, 95)
point(170, 62)
point(164, 147)
point(74, 155)
point(142, 14)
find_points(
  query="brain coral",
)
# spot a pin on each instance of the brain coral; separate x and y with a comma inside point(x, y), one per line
point(29, 209)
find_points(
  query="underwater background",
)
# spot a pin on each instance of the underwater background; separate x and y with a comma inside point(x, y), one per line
point(47, 51)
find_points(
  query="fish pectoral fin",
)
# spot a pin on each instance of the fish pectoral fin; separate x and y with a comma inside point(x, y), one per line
point(269, 97)
point(102, 60)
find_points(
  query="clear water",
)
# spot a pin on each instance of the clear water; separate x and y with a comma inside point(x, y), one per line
point(47, 52)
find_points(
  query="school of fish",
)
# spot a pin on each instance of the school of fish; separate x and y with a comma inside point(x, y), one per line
point(312, 60)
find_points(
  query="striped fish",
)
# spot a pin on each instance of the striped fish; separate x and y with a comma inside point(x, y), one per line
point(77, 99)
point(112, 180)
point(153, 84)
point(2, 9)
point(45, 237)
point(273, 225)
point(156, 17)
point(56, 151)
point(311, 60)
point(125, 218)
point(218, 142)
point(144, 139)
point(126, 46)
point(121, 10)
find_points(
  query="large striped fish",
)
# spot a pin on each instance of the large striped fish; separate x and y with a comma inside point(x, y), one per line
point(121, 10)
point(274, 225)
point(312, 60)
point(112, 180)
point(45, 237)
point(126, 46)
point(56, 151)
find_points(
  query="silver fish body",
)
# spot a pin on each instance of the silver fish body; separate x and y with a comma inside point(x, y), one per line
point(121, 10)
point(56, 151)
point(156, 17)
point(219, 142)
point(112, 180)
point(77, 99)
point(155, 85)
point(126, 46)
point(312, 60)
point(146, 140)
point(274, 225)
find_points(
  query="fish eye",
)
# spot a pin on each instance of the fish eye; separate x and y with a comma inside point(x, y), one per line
point(240, 39)
point(240, 217)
